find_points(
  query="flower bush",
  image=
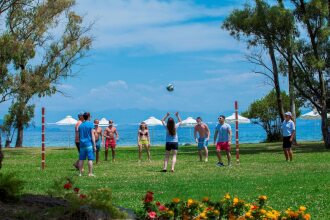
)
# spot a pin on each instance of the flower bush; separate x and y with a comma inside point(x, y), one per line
point(232, 208)
point(99, 199)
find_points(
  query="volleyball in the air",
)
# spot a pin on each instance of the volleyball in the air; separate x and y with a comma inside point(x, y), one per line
point(170, 87)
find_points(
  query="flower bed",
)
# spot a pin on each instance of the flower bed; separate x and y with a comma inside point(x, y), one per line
point(226, 208)
point(97, 203)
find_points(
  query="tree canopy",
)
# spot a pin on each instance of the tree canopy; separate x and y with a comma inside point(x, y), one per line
point(296, 38)
point(41, 43)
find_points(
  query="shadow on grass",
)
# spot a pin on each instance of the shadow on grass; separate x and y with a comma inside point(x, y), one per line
point(309, 147)
point(61, 149)
point(17, 151)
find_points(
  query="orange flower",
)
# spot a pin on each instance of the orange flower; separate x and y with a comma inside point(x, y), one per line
point(235, 201)
point(248, 215)
point(302, 208)
point(307, 217)
point(293, 214)
point(231, 217)
point(190, 201)
point(253, 207)
point(227, 196)
point(263, 211)
point(270, 215)
point(205, 199)
point(176, 200)
point(263, 197)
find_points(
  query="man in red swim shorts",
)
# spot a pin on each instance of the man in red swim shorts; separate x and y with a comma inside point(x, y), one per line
point(111, 135)
point(223, 137)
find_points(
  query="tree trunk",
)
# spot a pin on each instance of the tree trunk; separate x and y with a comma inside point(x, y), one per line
point(7, 145)
point(292, 96)
point(1, 153)
point(325, 126)
point(323, 97)
point(276, 83)
point(19, 139)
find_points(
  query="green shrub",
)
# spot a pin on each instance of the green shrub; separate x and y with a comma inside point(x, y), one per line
point(10, 187)
point(96, 201)
point(101, 199)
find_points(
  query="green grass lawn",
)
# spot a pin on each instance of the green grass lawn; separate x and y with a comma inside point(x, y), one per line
point(262, 171)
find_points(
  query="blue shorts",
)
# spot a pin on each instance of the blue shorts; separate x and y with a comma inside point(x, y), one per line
point(86, 152)
point(98, 145)
point(202, 143)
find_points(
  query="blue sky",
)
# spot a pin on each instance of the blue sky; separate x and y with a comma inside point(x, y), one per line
point(140, 46)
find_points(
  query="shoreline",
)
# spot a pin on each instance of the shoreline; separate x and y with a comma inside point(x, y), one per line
point(163, 145)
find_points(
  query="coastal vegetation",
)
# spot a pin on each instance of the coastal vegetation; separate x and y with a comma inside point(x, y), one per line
point(290, 39)
point(264, 113)
point(40, 43)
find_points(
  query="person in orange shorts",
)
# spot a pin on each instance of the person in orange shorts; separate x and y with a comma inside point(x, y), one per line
point(222, 137)
point(111, 136)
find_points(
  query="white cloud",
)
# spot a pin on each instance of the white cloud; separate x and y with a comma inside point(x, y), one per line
point(132, 14)
point(209, 95)
point(111, 88)
point(157, 26)
point(226, 58)
point(179, 38)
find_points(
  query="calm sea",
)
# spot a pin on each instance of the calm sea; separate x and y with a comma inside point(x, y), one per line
point(63, 136)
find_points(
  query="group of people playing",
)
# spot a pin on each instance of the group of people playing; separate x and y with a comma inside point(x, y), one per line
point(90, 137)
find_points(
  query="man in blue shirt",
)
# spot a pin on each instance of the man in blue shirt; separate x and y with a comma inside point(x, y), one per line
point(288, 132)
point(222, 137)
point(86, 143)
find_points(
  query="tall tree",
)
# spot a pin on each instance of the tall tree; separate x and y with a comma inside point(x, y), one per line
point(46, 38)
point(259, 26)
point(311, 67)
point(305, 51)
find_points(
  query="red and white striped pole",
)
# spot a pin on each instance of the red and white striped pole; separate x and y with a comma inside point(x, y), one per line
point(237, 139)
point(43, 138)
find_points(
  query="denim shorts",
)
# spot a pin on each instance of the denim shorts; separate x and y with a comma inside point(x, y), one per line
point(202, 143)
point(98, 145)
point(86, 152)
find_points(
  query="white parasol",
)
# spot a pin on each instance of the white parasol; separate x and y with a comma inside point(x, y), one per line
point(67, 121)
point(189, 122)
point(242, 120)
